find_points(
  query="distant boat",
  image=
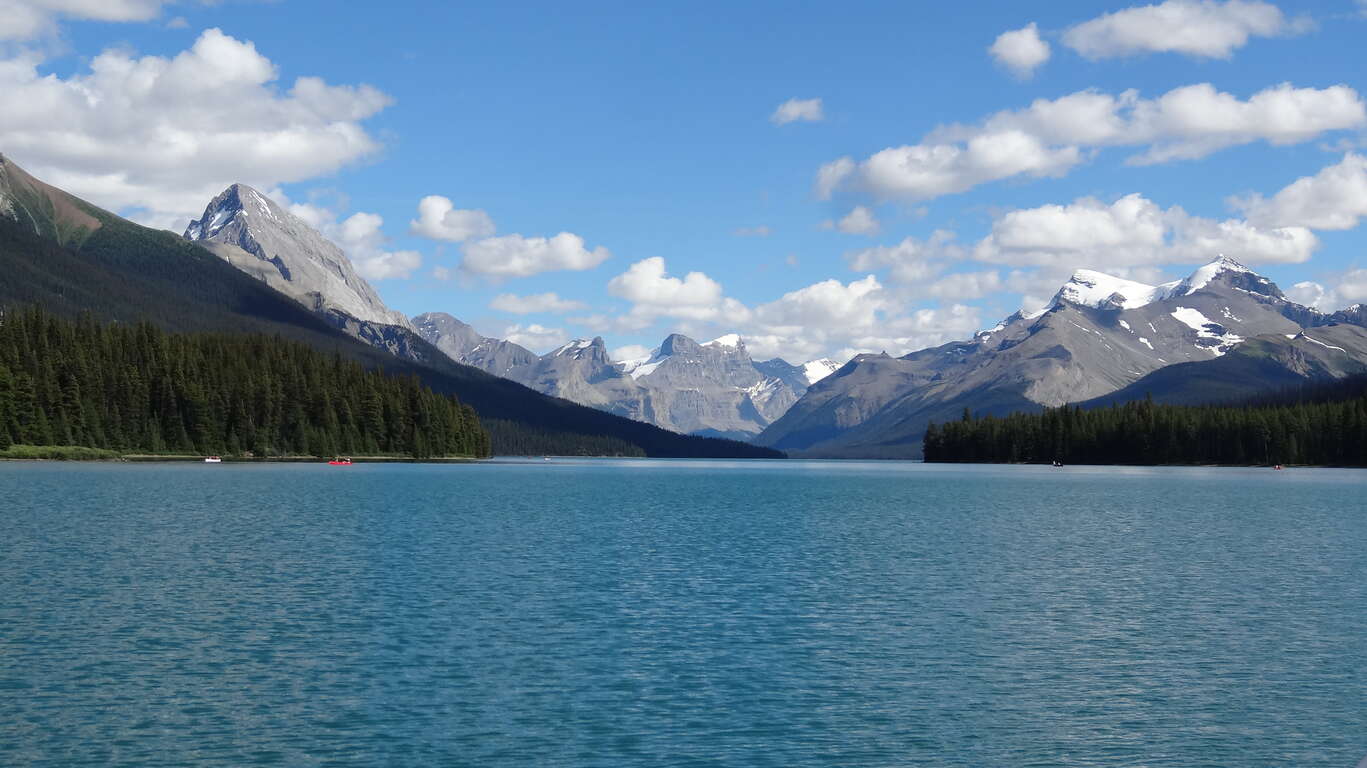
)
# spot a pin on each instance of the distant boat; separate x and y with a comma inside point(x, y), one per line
point(213, 460)
point(341, 461)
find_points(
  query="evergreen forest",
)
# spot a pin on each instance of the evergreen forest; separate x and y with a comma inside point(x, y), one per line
point(1322, 424)
point(138, 389)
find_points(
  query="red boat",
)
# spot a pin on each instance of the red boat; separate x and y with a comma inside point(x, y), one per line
point(341, 461)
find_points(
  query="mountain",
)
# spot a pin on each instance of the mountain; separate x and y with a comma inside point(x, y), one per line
point(1099, 336)
point(713, 388)
point(71, 257)
point(259, 237)
point(463, 344)
point(41, 208)
point(1260, 365)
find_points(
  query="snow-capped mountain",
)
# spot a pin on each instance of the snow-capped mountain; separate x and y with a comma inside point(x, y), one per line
point(714, 388)
point(259, 237)
point(1100, 335)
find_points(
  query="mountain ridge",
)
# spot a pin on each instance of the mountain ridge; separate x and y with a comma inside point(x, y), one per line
point(125, 272)
point(1099, 335)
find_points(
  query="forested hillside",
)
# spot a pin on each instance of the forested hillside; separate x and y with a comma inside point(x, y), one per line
point(127, 273)
point(135, 388)
point(1325, 425)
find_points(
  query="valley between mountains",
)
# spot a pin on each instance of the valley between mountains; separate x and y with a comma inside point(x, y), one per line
point(1219, 335)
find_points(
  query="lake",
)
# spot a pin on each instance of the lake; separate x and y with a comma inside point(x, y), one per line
point(680, 613)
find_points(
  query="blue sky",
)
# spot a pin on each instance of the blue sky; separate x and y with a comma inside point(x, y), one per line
point(649, 133)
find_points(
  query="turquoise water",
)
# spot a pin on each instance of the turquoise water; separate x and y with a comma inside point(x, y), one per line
point(643, 613)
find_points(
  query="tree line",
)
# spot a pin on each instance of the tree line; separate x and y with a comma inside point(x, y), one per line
point(1318, 425)
point(138, 389)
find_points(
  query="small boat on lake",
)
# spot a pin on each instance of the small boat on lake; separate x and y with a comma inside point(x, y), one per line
point(213, 460)
point(341, 461)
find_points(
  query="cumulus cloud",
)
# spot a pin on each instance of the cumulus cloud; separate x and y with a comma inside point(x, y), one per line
point(911, 261)
point(1199, 28)
point(164, 135)
point(518, 256)
point(798, 111)
point(1335, 198)
point(361, 236)
point(962, 286)
point(535, 337)
point(1344, 289)
point(27, 19)
point(1021, 51)
point(827, 318)
point(654, 294)
point(1050, 137)
point(859, 221)
point(534, 303)
point(439, 219)
point(1132, 231)
point(630, 352)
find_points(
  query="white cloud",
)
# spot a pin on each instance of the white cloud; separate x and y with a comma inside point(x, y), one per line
point(825, 318)
point(760, 231)
point(653, 294)
point(441, 273)
point(388, 264)
point(179, 22)
point(534, 303)
point(1308, 293)
point(438, 219)
point(859, 221)
point(167, 134)
point(832, 175)
point(1351, 287)
point(535, 337)
point(1200, 28)
point(1050, 137)
point(1345, 289)
point(1334, 198)
point(630, 352)
point(962, 286)
point(910, 261)
point(518, 256)
point(27, 19)
point(1132, 231)
point(360, 235)
point(1020, 50)
point(798, 111)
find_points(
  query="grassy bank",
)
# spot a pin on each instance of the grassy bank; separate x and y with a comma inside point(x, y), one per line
point(57, 453)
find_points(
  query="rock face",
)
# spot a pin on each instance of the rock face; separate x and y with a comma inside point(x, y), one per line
point(463, 344)
point(713, 389)
point(1100, 335)
point(249, 231)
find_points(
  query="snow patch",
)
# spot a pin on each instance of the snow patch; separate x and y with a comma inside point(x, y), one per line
point(1101, 291)
point(1207, 330)
point(1126, 326)
point(730, 340)
point(1322, 344)
point(816, 370)
point(1145, 342)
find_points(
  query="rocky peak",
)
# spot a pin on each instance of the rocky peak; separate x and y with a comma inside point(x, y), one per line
point(254, 234)
point(593, 350)
point(678, 344)
point(1228, 272)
